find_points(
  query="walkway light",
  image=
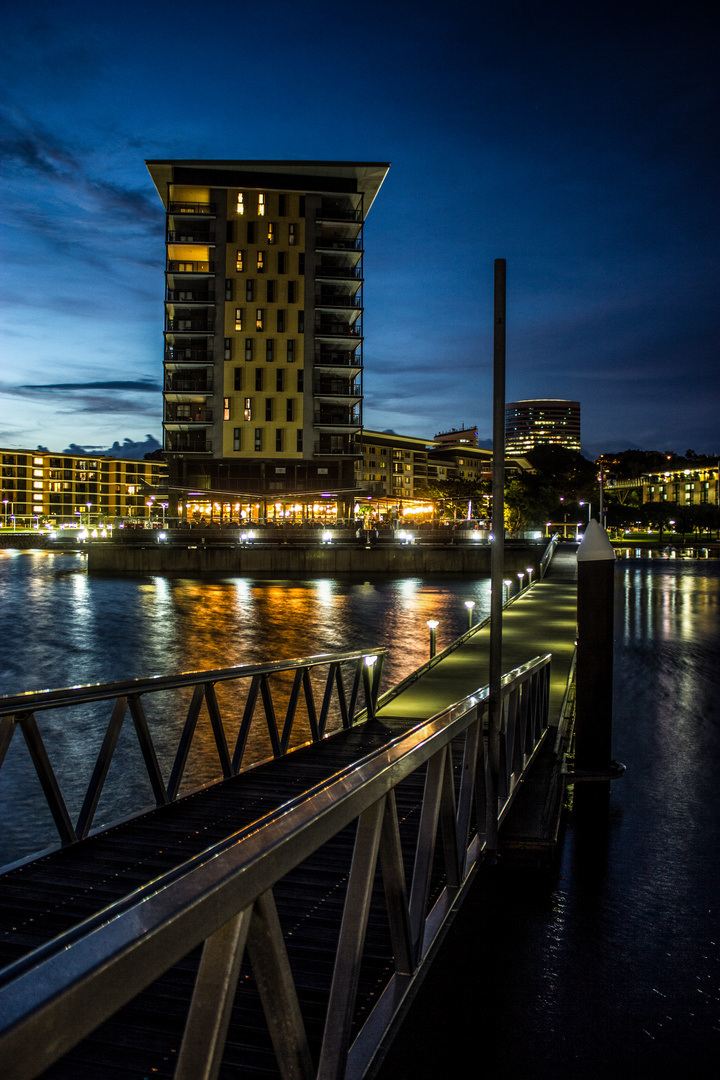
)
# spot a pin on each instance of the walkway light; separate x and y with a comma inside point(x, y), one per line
point(521, 575)
point(470, 604)
point(507, 583)
point(530, 573)
point(432, 626)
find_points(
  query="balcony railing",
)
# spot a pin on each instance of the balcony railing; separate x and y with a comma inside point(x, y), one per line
point(187, 444)
point(176, 415)
point(327, 212)
point(180, 355)
point(325, 270)
point(199, 236)
point(338, 243)
point(338, 299)
point(335, 388)
point(177, 266)
point(336, 418)
point(191, 208)
point(188, 386)
point(337, 448)
point(190, 326)
point(190, 296)
point(338, 329)
point(338, 359)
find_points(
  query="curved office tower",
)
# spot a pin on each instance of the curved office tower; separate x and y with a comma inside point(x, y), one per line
point(263, 360)
point(541, 422)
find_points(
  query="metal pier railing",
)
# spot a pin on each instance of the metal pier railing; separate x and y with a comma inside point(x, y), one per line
point(326, 1019)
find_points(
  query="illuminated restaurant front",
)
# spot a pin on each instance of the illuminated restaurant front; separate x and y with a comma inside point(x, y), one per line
point(326, 508)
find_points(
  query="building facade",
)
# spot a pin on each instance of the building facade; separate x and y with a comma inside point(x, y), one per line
point(43, 486)
point(541, 422)
point(263, 361)
point(686, 487)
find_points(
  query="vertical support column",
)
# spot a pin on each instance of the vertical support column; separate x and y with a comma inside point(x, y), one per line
point(593, 725)
point(497, 558)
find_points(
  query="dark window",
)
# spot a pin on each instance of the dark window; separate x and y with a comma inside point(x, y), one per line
point(251, 232)
point(238, 378)
point(281, 205)
point(299, 440)
point(258, 378)
point(281, 262)
point(271, 292)
point(229, 232)
point(269, 351)
point(228, 288)
point(249, 289)
point(292, 234)
point(278, 439)
point(301, 263)
point(290, 410)
point(291, 351)
point(258, 438)
point(227, 348)
point(279, 379)
point(281, 321)
point(248, 348)
point(301, 322)
point(236, 438)
point(268, 408)
point(291, 292)
point(302, 206)
point(300, 380)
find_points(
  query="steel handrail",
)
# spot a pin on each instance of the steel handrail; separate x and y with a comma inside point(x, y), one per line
point(57, 995)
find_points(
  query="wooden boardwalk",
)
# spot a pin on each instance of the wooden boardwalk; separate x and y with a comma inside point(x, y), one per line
point(48, 897)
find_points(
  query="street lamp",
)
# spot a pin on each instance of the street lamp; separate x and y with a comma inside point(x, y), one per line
point(507, 583)
point(432, 626)
point(164, 508)
point(470, 604)
point(88, 505)
point(521, 575)
point(589, 506)
point(530, 572)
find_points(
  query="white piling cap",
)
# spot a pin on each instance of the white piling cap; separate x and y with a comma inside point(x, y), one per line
point(595, 545)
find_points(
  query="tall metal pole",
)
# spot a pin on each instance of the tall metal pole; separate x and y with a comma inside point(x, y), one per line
point(497, 558)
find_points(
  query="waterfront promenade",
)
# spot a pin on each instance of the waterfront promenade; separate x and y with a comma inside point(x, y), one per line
point(84, 877)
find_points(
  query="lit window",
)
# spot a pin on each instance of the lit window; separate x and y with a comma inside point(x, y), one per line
point(271, 233)
point(240, 203)
point(291, 234)
point(239, 262)
point(259, 318)
point(261, 262)
point(37, 472)
point(131, 489)
point(37, 484)
point(261, 205)
point(247, 414)
point(238, 318)
point(226, 408)
point(236, 438)
point(37, 461)
point(37, 498)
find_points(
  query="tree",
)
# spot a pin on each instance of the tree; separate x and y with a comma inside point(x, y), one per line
point(529, 501)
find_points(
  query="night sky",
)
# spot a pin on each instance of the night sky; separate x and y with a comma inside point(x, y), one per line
point(578, 141)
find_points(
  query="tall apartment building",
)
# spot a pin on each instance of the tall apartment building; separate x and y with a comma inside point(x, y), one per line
point(263, 323)
point(541, 422)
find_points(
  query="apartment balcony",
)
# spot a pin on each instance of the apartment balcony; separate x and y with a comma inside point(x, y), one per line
point(337, 446)
point(337, 419)
point(185, 443)
point(332, 329)
point(178, 266)
point(338, 358)
point(333, 271)
point(187, 354)
point(199, 325)
point(188, 414)
point(339, 239)
point(337, 299)
point(205, 209)
point(337, 389)
point(190, 236)
point(188, 382)
point(189, 296)
point(339, 210)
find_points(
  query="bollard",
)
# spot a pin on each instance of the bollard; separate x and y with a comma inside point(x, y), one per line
point(593, 722)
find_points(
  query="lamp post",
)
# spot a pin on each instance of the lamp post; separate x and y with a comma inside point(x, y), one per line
point(470, 604)
point(530, 572)
point(432, 626)
point(521, 575)
point(88, 505)
point(164, 508)
point(5, 504)
point(506, 584)
point(589, 506)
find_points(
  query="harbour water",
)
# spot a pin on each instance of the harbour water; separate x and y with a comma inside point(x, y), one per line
point(609, 968)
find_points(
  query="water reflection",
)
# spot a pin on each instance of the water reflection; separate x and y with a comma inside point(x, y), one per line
point(66, 628)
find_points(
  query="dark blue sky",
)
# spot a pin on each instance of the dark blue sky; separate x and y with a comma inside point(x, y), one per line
point(577, 141)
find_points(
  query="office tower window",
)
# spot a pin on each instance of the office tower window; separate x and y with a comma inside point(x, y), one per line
point(291, 351)
point(269, 351)
point(258, 438)
point(291, 292)
point(299, 443)
point(281, 205)
point(247, 412)
point(240, 203)
point(281, 321)
point(259, 318)
point(251, 232)
point(268, 408)
point(271, 292)
point(278, 439)
point(258, 378)
point(227, 348)
point(228, 288)
point(248, 349)
point(236, 438)
point(281, 262)
point(279, 379)
point(290, 410)
point(250, 289)
point(301, 322)
point(238, 318)
point(261, 262)
point(301, 263)
point(300, 380)
point(239, 261)
point(291, 233)
point(238, 379)
point(271, 233)
point(261, 204)
point(226, 408)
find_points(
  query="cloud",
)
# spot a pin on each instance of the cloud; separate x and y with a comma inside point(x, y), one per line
point(139, 385)
point(129, 448)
